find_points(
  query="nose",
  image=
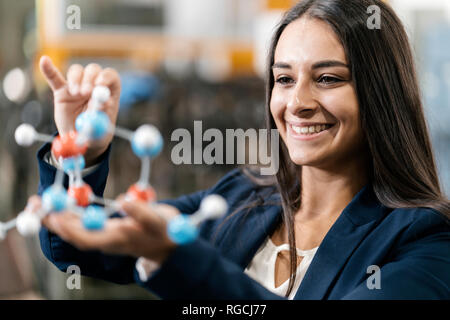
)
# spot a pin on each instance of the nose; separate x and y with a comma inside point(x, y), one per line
point(302, 98)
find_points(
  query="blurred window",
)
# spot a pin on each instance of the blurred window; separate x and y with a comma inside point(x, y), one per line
point(120, 14)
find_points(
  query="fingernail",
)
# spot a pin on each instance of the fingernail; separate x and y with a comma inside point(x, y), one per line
point(86, 89)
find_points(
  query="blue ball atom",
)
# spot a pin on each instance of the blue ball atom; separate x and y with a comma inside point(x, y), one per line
point(147, 141)
point(94, 124)
point(94, 218)
point(55, 198)
point(147, 151)
point(69, 164)
point(181, 230)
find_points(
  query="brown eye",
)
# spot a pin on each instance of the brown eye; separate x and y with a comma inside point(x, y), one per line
point(326, 80)
point(284, 80)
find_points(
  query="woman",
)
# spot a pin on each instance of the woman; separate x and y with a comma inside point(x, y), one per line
point(356, 192)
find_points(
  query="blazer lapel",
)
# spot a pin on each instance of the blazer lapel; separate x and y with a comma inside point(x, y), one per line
point(355, 221)
point(245, 233)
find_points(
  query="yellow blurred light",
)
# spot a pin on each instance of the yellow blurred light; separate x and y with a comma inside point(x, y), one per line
point(279, 4)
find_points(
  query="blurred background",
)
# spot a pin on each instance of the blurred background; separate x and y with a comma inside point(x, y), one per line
point(179, 61)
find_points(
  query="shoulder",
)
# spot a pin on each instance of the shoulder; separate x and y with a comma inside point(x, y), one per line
point(233, 179)
point(237, 185)
point(420, 230)
point(243, 195)
point(420, 219)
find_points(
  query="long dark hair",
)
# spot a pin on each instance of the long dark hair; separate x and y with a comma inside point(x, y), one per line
point(402, 167)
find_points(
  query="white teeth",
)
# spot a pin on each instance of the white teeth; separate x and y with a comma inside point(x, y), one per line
point(304, 130)
point(310, 129)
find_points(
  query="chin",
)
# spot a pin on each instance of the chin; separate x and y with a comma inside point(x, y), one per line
point(311, 158)
point(301, 158)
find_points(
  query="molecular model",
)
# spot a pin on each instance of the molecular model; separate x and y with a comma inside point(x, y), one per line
point(146, 143)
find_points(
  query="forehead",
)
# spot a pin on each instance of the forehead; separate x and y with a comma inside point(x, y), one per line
point(308, 40)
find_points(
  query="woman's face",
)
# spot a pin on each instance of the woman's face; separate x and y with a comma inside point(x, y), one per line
point(313, 100)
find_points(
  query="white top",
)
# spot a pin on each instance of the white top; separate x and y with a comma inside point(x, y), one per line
point(262, 267)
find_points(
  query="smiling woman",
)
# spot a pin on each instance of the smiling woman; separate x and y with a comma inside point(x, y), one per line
point(314, 88)
point(328, 68)
point(356, 190)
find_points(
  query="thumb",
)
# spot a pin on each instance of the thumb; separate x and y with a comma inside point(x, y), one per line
point(139, 211)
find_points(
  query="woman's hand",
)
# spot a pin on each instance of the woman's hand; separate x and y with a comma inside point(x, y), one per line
point(72, 97)
point(142, 233)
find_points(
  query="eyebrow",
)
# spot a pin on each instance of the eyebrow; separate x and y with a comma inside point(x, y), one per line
point(317, 65)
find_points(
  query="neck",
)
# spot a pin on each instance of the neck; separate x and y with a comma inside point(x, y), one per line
point(325, 192)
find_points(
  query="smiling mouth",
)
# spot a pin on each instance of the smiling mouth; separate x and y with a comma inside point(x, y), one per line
point(310, 130)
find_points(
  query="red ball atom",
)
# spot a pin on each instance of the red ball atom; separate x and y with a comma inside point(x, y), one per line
point(81, 194)
point(147, 195)
point(66, 146)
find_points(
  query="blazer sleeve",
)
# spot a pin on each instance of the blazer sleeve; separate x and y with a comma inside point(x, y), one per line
point(114, 268)
point(420, 265)
point(199, 270)
point(196, 270)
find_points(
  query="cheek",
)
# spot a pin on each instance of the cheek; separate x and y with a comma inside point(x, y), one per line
point(277, 104)
point(345, 108)
point(277, 109)
point(343, 105)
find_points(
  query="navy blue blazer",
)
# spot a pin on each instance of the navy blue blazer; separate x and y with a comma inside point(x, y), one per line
point(410, 246)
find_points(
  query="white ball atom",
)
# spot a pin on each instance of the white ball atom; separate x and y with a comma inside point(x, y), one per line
point(2, 231)
point(101, 94)
point(146, 136)
point(25, 135)
point(213, 207)
point(28, 223)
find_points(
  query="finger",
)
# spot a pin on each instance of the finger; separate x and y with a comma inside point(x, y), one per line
point(110, 78)
point(139, 211)
point(47, 222)
point(51, 222)
point(120, 197)
point(148, 216)
point(70, 228)
point(118, 201)
point(74, 76)
point(54, 78)
point(168, 210)
point(90, 74)
point(34, 203)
